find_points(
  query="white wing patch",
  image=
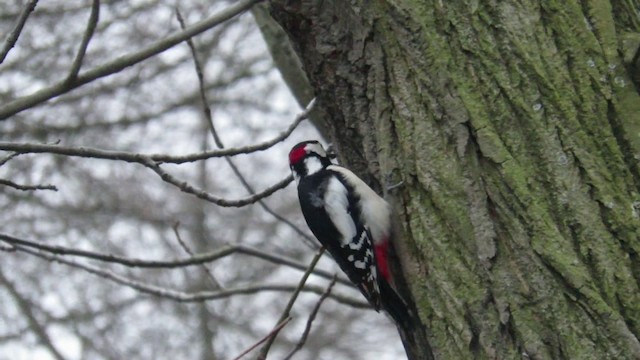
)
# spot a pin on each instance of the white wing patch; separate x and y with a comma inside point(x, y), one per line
point(336, 205)
point(375, 210)
point(360, 264)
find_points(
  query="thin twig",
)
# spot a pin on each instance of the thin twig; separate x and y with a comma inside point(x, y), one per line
point(189, 297)
point(27, 187)
point(87, 152)
point(206, 109)
point(186, 248)
point(153, 165)
point(271, 333)
point(194, 260)
point(200, 74)
point(27, 309)
point(88, 34)
point(8, 158)
point(13, 107)
point(7, 248)
point(199, 193)
point(12, 37)
point(312, 316)
point(286, 312)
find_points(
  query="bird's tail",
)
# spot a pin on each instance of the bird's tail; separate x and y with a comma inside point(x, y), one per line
point(396, 307)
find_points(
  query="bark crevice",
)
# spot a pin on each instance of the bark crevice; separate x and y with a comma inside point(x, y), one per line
point(510, 125)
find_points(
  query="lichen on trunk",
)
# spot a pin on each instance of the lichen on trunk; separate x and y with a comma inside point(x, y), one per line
point(514, 128)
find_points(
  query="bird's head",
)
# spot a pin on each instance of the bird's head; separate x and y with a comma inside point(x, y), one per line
point(307, 158)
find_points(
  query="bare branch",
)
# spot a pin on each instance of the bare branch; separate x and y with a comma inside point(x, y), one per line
point(286, 312)
point(194, 260)
point(27, 187)
point(312, 316)
point(8, 158)
point(88, 34)
point(271, 334)
point(26, 308)
point(29, 148)
point(186, 248)
point(153, 165)
point(188, 297)
point(200, 74)
point(190, 189)
point(7, 248)
point(12, 37)
point(206, 109)
point(125, 61)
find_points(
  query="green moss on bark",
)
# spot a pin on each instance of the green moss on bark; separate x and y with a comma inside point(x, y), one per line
point(514, 126)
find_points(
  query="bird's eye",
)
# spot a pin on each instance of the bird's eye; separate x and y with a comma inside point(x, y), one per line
point(331, 152)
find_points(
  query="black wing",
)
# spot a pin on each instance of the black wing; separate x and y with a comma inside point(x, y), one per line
point(331, 216)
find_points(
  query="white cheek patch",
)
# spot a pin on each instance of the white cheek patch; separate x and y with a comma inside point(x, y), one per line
point(313, 165)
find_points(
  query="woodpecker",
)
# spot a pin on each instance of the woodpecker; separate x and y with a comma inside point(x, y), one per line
point(351, 221)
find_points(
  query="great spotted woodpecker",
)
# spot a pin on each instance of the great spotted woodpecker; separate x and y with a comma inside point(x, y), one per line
point(351, 221)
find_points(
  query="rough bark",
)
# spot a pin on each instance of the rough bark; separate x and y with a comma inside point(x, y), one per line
point(514, 127)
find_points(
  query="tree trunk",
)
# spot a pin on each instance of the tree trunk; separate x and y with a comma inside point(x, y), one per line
point(514, 127)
